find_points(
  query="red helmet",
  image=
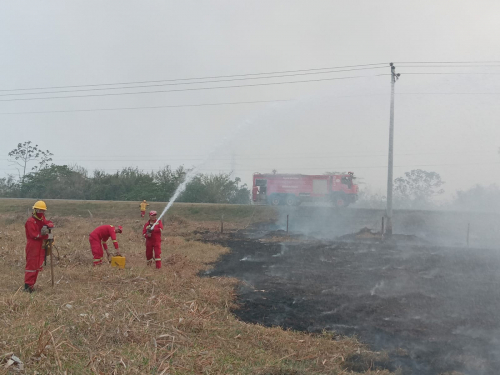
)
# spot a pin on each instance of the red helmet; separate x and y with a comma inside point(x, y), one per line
point(120, 228)
point(152, 213)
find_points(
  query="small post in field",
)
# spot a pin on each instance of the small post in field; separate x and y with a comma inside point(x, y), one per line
point(468, 231)
point(222, 224)
point(287, 223)
point(382, 231)
point(51, 267)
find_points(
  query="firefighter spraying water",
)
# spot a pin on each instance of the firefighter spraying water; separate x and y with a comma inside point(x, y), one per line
point(192, 173)
point(189, 177)
point(152, 234)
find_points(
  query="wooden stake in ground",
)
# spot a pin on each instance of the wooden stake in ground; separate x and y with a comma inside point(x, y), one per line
point(222, 224)
point(48, 249)
point(51, 266)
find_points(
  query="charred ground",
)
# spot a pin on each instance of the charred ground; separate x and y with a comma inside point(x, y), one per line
point(433, 308)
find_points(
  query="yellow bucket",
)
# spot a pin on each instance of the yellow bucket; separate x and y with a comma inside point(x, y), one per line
point(118, 261)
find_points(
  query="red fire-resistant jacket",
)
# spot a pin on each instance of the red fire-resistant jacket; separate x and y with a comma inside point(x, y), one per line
point(155, 234)
point(33, 228)
point(103, 233)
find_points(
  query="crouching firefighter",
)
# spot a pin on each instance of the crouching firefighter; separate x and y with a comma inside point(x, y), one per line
point(37, 232)
point(98, 240)
point(153, 240)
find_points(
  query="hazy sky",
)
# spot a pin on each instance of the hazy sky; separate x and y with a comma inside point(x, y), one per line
point(448, 123)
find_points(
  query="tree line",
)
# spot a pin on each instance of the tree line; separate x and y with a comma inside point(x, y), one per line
point(416, 189)
point(50, 181)
point(129, 184)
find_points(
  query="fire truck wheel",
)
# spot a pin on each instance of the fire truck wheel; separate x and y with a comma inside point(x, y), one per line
point(290, 200)
point(340, 202)
point(274, 200)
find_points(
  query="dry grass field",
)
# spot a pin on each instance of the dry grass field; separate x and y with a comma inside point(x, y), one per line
point(141, 320)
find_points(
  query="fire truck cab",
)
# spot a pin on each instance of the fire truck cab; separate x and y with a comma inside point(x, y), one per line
point(293, 189)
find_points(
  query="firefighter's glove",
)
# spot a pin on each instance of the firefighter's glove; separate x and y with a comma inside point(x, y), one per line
point(44, 231)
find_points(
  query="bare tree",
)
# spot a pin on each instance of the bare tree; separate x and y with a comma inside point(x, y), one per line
point(418, 187)
point(25, 153)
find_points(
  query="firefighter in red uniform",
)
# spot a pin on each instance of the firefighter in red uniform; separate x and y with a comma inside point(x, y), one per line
point(98, 240)
point(153, 239)
point(36, 228)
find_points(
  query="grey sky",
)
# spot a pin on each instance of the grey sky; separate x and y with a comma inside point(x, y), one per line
point(328, 125)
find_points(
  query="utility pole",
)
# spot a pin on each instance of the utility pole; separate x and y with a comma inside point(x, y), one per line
point(388, 230)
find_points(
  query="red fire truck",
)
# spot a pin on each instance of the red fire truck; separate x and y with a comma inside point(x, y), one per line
point(293, 189)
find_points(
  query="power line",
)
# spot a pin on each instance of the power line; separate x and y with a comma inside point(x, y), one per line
point(448, 93)
point(145, 107)
point(243, 158)
point(383, 64)
point(190, 89)
point(447, 62)
point(189, 79)
point(380, 166)
point(171, 106)
point(450, 66)
point(455, 73)
point(189, 83)
point(234, 103)
point(285, 156)
point(250, 74)
point(308, 168)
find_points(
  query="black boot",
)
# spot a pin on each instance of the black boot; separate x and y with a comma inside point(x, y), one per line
point(29, 288)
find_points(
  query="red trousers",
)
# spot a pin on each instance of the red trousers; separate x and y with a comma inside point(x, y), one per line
point(96, 247)
point(153, 247)
point(143, 213)
point(35, 255)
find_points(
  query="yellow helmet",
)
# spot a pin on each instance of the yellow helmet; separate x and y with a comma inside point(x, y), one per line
point(40, 205)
